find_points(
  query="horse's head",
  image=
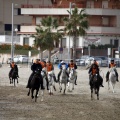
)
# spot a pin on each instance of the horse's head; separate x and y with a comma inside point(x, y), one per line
point(112, 69)
point(37, 71)
point(95, 77)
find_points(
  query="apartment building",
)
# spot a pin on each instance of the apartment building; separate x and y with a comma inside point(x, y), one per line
point(18, 18)
point(104, 18)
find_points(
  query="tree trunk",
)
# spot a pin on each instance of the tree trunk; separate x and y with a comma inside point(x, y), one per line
point(74, 48)
point(49, 56)
point(41, 55)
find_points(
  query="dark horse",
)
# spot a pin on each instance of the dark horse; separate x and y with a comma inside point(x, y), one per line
point(35, 84)
point(95, 85)
point(14, 75)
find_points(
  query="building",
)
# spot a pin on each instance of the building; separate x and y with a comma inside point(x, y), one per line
point(103, 19)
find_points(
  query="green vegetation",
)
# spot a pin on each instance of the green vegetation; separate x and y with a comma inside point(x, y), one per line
point(19, 49)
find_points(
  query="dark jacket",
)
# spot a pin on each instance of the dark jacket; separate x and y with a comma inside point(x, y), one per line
point(35, 66)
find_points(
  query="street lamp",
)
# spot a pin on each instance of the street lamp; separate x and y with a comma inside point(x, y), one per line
point(70, 7)
point(12, 49)
point(16, 30)
point(12, 34)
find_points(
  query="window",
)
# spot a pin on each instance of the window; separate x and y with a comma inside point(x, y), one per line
point(63, 42)
point(25, 41)
point(116, 43)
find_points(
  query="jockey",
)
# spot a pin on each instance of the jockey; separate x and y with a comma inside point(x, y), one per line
point(12, 66)
point(72, 65)
point(94, 69)
point(50, 67)
point(60, 66)
point(112, 64)
point(34, 67)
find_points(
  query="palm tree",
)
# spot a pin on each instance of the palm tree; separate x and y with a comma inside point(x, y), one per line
point(76, 26)
point(38, 40)
point(48, 33)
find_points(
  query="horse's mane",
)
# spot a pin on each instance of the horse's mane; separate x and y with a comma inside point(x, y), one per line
point(112, 69)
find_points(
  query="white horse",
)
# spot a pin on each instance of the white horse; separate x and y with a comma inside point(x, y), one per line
point(63, 79)
point(51, 81)
point(43, 73)
point(112, 78)
point(72, 78)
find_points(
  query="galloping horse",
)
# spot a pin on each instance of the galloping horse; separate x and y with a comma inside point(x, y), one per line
point(72, 78)
point(63, 79)
point(112, 78)
point(35, 84)
point(95, 85)
point(51, 82)
point(13, 76)
point(45, 80)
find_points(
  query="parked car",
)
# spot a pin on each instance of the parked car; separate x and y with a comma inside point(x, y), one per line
point(102, 63)
point(80, 62)
point(23, 58)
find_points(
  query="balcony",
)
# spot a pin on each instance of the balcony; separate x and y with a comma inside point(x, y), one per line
point(63, 11)
point(92, 30)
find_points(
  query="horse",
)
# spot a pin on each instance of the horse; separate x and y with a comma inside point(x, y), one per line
point(14, 75)
point(45, 80)
point(112, 78)
point(95, 85)
point(51, 81)
point(63, 79)
point(72, 78)
point(35, 84)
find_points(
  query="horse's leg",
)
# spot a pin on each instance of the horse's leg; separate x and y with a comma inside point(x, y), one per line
point(68, 84)
point(60, 86)
point(108, 85)
point(32, 92)
point(37, 90)
point(91, 93)
point(17, 80)
point(64, 87)
point(14, 82)
point(112, 87)
point(73, 85)
point(42, 93)
point(97, 93)
point(28, 92)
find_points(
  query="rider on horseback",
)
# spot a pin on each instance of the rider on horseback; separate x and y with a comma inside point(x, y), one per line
point(94, 69)
point(60, 66)
point(12, 66)
point(35, 66)
point(50, 67)
point(72, 65)
point(112, 64)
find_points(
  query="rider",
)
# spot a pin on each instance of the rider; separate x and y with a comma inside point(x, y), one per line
point(60, 66)
point(72, 65)
point(112, 64)
point(12, 66)
point(94, 69)
point(50, 67)
point(34, 67)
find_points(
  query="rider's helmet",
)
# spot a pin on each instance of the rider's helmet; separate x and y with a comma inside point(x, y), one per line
point(112, 61)
point(62, 62)
point(71, 61)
